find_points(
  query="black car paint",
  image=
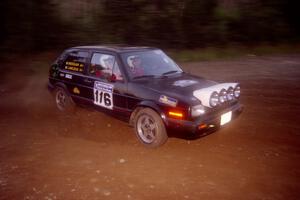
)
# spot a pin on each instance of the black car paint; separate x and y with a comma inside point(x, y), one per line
point(130, 94)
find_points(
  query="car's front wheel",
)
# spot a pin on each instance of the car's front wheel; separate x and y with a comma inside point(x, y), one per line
point(150, 128)
point(63, 100)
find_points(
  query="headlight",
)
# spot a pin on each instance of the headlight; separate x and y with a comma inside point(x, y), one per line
point(223, 96)
point(214, 99)
point(237, 91)
point(230, 94)
point(198, 110)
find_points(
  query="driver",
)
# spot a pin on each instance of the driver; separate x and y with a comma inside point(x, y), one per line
point(136, 66)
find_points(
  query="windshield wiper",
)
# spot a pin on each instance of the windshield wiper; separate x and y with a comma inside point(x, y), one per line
point(170, 72)
point(144, 76)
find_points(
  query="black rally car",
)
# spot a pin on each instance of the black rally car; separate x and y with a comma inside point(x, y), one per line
point(145, 86)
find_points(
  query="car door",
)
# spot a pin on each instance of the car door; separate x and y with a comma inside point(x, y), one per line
point(106, 84)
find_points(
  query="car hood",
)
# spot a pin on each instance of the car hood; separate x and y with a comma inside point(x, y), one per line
point(180, 86)
point(185, 88)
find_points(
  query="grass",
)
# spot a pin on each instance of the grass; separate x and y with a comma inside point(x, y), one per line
point(225, 53)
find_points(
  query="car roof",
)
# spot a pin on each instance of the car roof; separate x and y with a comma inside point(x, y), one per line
point(115, 48)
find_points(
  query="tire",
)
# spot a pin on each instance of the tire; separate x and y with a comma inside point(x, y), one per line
point(149, 128)
point(63, 100)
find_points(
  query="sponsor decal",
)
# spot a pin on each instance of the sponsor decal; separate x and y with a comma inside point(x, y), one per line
point(76, 90)
point(74, 66)
point(184, 83)
point(168, 100)
point(69, 76)
point(103, 94)
point(103, 86)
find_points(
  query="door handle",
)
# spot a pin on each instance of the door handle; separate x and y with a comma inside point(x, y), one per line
point(87, 80)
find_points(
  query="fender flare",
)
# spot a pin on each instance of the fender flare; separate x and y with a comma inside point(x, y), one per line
point(147, 104)
point(62, 85)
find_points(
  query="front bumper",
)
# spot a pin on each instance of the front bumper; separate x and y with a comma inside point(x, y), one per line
point(208, 122)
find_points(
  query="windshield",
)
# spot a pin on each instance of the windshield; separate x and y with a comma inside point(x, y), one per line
point(151, 63)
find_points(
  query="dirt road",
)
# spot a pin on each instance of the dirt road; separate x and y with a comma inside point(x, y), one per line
point(90, 155)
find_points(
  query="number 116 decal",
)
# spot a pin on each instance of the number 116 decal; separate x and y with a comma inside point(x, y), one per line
point(103, 94)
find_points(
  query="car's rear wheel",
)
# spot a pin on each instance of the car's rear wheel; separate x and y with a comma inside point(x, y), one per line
point(150, 128)
point(63, 100)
